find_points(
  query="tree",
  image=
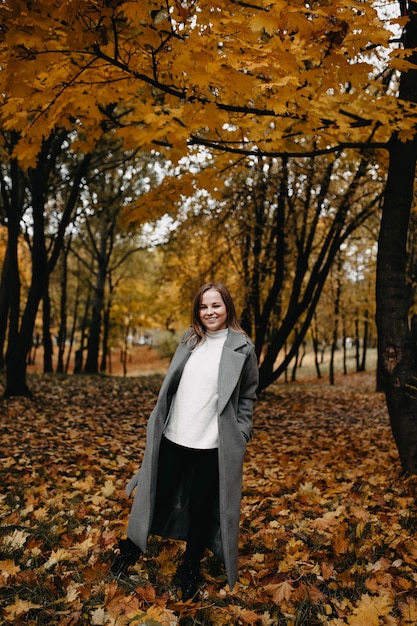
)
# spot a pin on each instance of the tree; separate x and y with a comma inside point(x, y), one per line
point(354, 283)
point(272, 233)
point(14, 203)
point(120, 179)
point(294, 81)
point(39, 185)
point(300, 219)
point(397, 352)
point(108, 193)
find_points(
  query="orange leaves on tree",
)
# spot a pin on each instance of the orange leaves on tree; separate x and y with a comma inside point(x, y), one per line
point(279, 71)
point(263, 21)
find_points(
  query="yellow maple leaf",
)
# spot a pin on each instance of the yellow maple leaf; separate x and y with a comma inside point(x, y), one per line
point(108, 488)
point(406, 135)
point(16, 539)
point(84, 485)
point(270, 24)
point(409, 612)
point(166, 563)
point(280, 592)
point(20, 607)
point(85, 546)
point(159, 614)
point(245, 616)
point(99, 617)
point(57, 555)
point(41, 513)
point(370, 610)
point(73, 591)
point(8, 568)
point(266, 619)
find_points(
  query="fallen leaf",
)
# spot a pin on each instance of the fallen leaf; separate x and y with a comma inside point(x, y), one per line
point(8, 568)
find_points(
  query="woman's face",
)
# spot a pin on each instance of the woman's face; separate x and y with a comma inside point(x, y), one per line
point(213, 313)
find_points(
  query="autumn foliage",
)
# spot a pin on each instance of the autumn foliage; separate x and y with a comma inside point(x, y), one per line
point(327, 529)
point(264, 77)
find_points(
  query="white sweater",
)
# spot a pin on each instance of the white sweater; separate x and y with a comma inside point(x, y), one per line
point(193, 418)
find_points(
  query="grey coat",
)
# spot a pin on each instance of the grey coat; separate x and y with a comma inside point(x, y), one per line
point(238, 381)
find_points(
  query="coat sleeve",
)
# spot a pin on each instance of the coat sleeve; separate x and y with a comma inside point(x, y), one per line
point(247, 393)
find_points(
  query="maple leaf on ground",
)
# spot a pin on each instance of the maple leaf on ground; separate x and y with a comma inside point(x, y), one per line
point(280, 592)
point(166, 561)
point(245, 616)
point(8, 568)
point(15, 540)
point(99, 617)
point(56, 556)
point(408, 610)
point(266, 619)
point(154, 616)
point(147, 593)
point(370, 610)
point(19, 607)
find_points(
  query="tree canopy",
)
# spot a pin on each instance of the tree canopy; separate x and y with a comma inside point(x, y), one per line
point(242, 77)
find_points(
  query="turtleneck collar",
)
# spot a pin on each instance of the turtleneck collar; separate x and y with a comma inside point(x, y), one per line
point(217, 334)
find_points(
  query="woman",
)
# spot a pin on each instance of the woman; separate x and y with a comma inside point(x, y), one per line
point(190, 482)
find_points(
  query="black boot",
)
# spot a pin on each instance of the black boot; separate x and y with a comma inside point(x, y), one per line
point(128, 555)
point(190, 577)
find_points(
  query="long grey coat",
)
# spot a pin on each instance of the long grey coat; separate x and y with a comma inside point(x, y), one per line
point(238, 381)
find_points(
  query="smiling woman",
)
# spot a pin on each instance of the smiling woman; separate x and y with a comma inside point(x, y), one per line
point(213, 312)
point(190, 483)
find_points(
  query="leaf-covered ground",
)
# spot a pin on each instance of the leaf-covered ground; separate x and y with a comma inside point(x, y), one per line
point(328, 526)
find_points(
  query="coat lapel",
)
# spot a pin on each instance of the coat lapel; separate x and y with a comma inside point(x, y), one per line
point(231, 365)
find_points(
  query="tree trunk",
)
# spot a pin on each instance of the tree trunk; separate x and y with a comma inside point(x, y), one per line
point(93, 344)
point(9, 290)
point(336, 321)
point(357, 341)
point(365, 340)
point(395, 346)
point(78, 360)
point(62, 332)
point(18, 349)
point(13, 201)
point(48, 348)
point(344, 346)
point(106, 333)
point(296, 358)
point(315, 337)
point(395, 349)
point(73, 326)
point(20, 339)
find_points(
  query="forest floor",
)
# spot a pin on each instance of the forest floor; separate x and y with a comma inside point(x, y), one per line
point(328, 528)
